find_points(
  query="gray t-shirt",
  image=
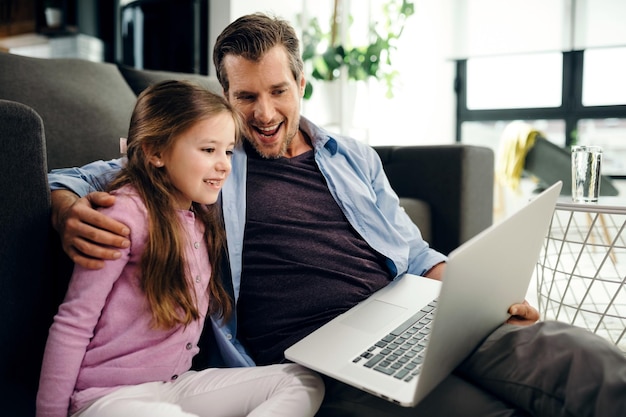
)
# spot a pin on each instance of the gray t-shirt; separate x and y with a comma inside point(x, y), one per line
point(303, 263)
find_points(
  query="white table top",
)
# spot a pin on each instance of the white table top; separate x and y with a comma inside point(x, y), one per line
point(610, 205)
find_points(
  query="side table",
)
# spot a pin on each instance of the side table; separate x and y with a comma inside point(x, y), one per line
point(581, 271)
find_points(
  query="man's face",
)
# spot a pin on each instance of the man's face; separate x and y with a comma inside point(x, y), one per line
point(266, 93)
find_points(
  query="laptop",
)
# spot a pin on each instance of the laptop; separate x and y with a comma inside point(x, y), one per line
point(364, 347)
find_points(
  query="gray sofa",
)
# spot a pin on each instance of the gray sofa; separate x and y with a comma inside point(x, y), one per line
point(65, 112)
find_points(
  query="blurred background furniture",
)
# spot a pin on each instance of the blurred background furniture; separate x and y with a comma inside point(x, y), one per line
point(581, 271)
point(526, 158)
point(524, 151)
point(550, 163)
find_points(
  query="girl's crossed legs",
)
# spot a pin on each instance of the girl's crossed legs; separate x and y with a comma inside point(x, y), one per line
point(275, 390)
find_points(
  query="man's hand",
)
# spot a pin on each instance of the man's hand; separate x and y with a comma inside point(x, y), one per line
point(523, 314)
point(436, 272)
point(87, 236)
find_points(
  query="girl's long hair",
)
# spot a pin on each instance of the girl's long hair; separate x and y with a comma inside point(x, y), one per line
point(162, 112)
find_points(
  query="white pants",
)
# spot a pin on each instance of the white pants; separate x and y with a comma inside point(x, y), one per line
point(276, 390)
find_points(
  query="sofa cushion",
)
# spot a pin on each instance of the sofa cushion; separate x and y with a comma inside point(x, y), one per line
point(93, 96)
point(419, 212)
point(138, 80)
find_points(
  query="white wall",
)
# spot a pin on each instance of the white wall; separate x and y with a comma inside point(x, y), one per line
point(423, 109)
point(223, 12)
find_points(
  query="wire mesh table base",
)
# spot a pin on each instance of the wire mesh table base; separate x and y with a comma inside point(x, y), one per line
point(581, 272)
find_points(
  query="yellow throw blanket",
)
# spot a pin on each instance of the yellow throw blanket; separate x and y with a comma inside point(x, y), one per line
point(517, 139)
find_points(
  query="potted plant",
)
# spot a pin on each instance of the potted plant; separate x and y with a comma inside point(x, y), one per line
point(359, 61)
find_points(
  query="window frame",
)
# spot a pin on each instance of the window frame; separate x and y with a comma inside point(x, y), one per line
point(571, 109)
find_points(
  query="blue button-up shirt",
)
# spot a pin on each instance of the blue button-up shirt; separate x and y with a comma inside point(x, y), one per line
point(355, 177)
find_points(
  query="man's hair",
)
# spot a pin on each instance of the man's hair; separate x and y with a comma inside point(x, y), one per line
point(251, 37)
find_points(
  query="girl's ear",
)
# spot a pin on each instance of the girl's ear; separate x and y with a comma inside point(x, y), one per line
point(153, 157)
point(156, 161)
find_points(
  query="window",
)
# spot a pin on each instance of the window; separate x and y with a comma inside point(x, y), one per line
point(603, 77)
point(515, 81)
point(572, 97)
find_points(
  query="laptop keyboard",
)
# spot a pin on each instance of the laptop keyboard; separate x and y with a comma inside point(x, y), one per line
point(400, 353)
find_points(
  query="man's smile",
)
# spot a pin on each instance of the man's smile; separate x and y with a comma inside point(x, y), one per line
point(268, 131)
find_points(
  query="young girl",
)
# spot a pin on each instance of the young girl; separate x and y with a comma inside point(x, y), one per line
point(122, 341)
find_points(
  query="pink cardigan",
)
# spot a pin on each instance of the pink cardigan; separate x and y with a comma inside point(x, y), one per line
point(101, 337)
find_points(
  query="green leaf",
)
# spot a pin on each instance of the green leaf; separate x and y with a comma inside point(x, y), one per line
point(362, 61)
point(308, 90)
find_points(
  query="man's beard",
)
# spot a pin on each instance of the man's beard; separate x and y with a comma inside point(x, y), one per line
point(262, 150)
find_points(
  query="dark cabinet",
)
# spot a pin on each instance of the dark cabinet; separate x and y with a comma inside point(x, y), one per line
point(170, 35)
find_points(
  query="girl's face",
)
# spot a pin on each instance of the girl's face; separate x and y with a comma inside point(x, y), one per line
point(199, 161)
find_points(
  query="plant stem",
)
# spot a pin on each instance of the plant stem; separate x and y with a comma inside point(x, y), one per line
point(335, 24)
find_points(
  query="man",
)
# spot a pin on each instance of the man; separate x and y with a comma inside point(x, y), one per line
point(313, 228)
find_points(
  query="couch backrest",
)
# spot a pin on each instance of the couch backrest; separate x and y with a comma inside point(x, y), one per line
point(85, 106)
point(138, 79)
point(455, 180)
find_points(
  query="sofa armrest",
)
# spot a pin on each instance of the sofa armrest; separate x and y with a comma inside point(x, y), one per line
point(455, 180)
point(25, 282)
